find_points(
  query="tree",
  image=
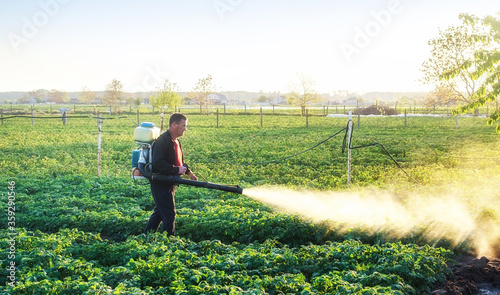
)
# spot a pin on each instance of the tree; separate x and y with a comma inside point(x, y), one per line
point(449, 51)
point(302, 92)
point(113, 93)
point(484, 65)
point(39, 95)
point(58, 96)
point(138, 101)
point(168, 97)
point(443, 95)
point(87, 95)
point(203, 91)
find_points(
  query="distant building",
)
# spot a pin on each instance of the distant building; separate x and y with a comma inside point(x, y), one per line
point(353, 100)
point(279, 99)
point(74, 101)
point(217, 98)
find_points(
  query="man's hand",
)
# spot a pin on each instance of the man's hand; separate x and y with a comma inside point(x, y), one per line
point(182, 170)
point(193, 177)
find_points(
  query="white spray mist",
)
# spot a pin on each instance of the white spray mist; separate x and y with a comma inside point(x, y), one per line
point(443, 216)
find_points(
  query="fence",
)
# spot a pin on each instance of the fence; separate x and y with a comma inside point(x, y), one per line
point(134, 113)
point(54, 109)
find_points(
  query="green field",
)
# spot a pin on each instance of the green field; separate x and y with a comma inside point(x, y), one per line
point(386, 233)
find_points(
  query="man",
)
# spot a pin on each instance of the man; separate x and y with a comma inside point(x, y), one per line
point(168, 160)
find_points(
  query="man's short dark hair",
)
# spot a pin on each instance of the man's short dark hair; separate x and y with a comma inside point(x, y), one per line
point(177, 118)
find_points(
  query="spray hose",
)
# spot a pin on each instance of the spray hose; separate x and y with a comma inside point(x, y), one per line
point(281, 159)
point(170, 179)
point(350, 125)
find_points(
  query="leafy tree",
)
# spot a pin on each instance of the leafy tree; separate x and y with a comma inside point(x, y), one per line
point(168, 97)
point(449, 51)
point(87, 95)
point(38, 95)
point(443, 95)
point(113, 93)
point(138, 101)
point(203, 91)
point(483, 65)
point(302, 92)
point(58, 96)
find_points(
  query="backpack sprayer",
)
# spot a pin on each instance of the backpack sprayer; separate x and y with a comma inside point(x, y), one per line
point(145, 136)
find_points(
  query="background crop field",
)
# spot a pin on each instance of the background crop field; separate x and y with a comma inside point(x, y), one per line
point(297, 228)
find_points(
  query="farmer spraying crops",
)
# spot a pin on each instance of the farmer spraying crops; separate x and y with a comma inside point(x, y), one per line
point(168, 160)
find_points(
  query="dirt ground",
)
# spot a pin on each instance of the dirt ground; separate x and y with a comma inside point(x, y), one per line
point(472, 276)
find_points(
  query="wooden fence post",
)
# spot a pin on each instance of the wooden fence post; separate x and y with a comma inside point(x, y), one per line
point(99, 124)
point(32, 116)
point(405, 118)
point(307, 118)
point(261, 117)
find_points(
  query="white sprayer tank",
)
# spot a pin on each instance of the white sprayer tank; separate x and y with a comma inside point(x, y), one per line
point(146, 133)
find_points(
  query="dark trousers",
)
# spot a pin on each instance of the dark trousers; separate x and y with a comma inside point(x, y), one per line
point(164, 211)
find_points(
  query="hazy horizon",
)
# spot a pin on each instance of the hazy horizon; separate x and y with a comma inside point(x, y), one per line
point(363, 46)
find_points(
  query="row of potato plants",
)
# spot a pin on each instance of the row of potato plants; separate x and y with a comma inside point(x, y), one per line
point(60, 250)
point(115, 208)
point(71, 261)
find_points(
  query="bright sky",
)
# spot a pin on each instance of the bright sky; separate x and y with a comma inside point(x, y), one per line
point(248, 45)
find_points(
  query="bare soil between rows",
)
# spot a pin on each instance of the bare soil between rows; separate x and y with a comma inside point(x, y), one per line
point(471, 276)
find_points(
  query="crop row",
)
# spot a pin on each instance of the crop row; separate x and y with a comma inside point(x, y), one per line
point(116, 209)
point(74, 262)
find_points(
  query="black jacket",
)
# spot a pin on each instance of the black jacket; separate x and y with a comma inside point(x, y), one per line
point(164, 155)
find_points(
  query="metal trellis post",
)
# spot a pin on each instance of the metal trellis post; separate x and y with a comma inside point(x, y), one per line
point(99, 124)
point(349, 134)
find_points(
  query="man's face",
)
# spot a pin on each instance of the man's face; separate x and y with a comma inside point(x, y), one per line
point(179, 128)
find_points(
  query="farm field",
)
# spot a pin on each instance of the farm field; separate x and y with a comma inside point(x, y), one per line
point(297, 228)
